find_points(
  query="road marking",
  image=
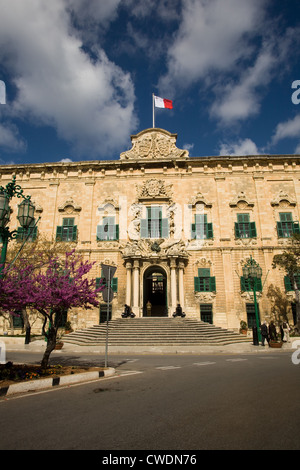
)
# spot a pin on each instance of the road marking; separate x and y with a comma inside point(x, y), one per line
point(168, 367)
point(236, 360)
point(267, 358)
point(129, 372)
point(203, 363)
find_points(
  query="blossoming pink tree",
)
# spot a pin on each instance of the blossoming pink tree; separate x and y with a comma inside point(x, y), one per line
point(62, 285)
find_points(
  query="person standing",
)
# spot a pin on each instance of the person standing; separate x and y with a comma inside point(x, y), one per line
point(272, 331)
point(264, 333)
point(286, 332)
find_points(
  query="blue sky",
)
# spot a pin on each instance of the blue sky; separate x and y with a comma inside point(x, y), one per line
point(80, 75)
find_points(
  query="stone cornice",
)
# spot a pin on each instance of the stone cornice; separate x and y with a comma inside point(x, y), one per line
point(218, 165)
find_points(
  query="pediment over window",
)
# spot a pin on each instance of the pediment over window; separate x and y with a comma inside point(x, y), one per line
point(200, 199)
point(69, 206)
point(283, 199)
point(241, 201)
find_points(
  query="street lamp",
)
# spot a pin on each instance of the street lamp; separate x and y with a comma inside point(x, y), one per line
point(25, 215)
point(252, 271)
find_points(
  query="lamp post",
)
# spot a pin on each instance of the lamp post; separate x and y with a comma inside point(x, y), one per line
point(25, 215)
point(252, 271)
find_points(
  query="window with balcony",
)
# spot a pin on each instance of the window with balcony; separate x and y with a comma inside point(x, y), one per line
point(154, 226)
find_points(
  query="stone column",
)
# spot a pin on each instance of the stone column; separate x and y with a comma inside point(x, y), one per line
point(136, 290)
point(128, 283)
point(173, 285)
point(181, 288)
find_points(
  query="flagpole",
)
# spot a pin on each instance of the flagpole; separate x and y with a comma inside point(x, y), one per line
point(153, 118)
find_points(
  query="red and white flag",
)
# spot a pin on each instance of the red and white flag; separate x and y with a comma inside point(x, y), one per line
point(162, 103)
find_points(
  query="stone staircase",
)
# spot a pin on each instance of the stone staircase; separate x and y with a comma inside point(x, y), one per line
point(154, 332)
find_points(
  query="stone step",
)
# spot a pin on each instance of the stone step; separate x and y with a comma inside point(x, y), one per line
point(154, 331)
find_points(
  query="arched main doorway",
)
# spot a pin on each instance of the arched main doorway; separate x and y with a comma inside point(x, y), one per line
point(155, 292)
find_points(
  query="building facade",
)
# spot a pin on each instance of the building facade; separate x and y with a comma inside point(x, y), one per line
point(177, 228)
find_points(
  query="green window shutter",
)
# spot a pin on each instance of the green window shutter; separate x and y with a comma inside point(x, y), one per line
point(20, 232)
point(33, 232)
point(164, 228)
point(212, 284)
point(287, 284)
point(59, 233)
point(258, 285)
point(279, 230)
point(236, 230)
point(74, 233)
point(98, 282)
point(296, 228)
point(197, 284)
point(117, 232)
point(193, 231)
point(244, 287)
point(253, 230)
point(144, 228)
point(114, 284)
point(209, 230)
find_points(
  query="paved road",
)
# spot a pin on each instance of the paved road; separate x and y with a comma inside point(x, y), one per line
point(168, 402)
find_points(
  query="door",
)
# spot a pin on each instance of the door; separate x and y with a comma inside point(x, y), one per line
point(155, 293)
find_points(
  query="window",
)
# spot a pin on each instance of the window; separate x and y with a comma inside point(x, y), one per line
point(154, 226)
point(114, 283)
point(204, 282)
point(244, 228)
point(109, 230)
point(246, 285)
point(288, 284)
point(67, 232)
point(206, 313)
point(18, 320)
point(286, 227)
point(201, 229)
point(251, 319)
point(23, 233)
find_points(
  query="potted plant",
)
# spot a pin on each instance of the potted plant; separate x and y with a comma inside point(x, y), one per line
point(59, 345)
point(68, 328)
point(243, 327)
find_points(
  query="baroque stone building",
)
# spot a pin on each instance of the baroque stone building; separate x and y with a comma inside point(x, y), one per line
point(177, 228)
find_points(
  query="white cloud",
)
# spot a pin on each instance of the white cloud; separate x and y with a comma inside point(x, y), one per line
point(242, 147)
point(213, 37)
point(90, 103)
point(288, 129)
point(231, 50)
point(10, 139)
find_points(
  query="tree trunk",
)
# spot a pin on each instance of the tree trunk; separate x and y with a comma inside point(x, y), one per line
point(26, 325)
point(297, 310)
point(51, 342)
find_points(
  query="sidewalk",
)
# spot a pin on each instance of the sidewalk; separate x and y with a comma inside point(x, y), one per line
point(17, 344)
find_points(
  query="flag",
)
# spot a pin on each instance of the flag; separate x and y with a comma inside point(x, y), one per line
point(162, 103)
